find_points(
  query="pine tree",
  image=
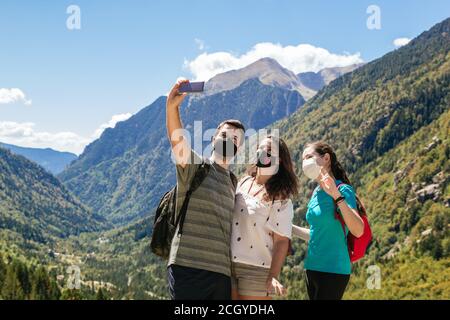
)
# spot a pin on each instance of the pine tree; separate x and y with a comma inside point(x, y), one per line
point(437, 250)
point(2, 271)
point(100, 295)
point(12, 289)
point(23, 275)
point(55, 293)
point(41, 285)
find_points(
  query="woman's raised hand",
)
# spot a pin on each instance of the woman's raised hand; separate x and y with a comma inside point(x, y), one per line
point(328, 184)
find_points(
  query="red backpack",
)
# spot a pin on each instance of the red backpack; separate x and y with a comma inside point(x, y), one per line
point(357, 247)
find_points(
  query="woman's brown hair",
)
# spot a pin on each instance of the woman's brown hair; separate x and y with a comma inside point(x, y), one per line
point(284, 184)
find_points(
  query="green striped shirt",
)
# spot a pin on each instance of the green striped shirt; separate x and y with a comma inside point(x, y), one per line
point(205, 241)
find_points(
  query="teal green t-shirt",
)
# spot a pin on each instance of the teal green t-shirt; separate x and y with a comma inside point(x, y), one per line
point(327, 247)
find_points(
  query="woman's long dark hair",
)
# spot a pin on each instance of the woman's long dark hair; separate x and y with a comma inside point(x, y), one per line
point(284, 184)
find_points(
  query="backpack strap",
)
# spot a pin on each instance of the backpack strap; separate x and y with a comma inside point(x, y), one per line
point(200, 175)
point(337, 215)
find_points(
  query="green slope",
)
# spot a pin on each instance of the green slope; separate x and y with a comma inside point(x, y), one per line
point(410, 218)
point(35, 206)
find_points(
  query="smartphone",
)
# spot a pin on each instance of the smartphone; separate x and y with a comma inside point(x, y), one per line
point(191, 87)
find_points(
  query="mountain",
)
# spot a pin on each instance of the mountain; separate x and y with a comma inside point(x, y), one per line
point(52, 160)
point(122, 175)
point(271, 73)
point(267, 70)
point(36, 206)
point(314, 81)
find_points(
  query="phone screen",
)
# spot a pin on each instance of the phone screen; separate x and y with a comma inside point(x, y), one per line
point(192, 87)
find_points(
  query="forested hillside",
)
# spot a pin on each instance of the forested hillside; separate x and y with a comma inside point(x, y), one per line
point(36, 206)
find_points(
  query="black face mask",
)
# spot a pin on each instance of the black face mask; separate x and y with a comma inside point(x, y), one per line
point(225, 147)
point(264, 159)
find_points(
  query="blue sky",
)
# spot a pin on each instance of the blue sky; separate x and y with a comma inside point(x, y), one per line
point(127, 53)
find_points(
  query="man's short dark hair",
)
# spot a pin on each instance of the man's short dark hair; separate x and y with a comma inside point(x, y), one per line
point(231, 122)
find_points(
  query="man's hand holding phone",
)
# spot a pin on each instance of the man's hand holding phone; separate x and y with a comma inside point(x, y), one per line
point(180, 90)
point(175, 98)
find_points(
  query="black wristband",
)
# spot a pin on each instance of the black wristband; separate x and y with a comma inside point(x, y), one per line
point(339, 199)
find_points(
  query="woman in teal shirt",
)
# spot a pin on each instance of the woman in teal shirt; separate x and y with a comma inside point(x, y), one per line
point(327, 264)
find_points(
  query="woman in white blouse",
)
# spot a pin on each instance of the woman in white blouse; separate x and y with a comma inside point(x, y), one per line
point(262, 222)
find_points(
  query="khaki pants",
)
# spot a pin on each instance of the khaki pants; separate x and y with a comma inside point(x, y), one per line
point(249, 280)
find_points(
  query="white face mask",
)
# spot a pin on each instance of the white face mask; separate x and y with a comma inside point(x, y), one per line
point(311, 169)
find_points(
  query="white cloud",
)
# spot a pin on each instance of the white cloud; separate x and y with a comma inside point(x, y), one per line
point(400, 42)
point(111, 124)
point(25, 135)
point(13, 95)
point(200, 44)
point(300, 58)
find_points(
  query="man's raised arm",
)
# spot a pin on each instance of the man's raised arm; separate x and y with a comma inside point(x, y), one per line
point(180, 146)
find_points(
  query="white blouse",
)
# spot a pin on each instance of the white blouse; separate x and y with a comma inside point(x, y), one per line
point(254, 222)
